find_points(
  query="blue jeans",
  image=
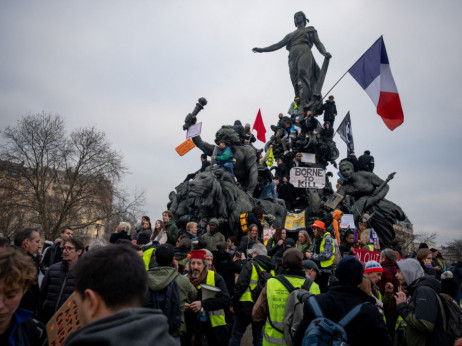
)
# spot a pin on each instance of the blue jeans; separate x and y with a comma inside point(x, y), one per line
point(229, 166)
point(240, 325)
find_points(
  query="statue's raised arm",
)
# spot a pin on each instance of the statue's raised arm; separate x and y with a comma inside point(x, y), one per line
point(305, 73)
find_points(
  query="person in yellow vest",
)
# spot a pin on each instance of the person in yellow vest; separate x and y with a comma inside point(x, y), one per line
point(270, 305)
point(149, 250)
point(322, 252)
point(242, 302)
point(205, 318)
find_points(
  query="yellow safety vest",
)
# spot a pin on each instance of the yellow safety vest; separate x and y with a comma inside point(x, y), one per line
point(147, 257)
point(277, 295)
point(217, 317)
point(247, 295)
point(329, 262)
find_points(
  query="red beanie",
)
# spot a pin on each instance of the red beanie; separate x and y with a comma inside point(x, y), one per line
point(200, 254)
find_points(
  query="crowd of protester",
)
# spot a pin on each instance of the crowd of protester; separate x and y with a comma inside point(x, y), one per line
point(159, 284)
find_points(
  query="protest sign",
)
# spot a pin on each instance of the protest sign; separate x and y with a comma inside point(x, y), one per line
point(308, 158)
point(308, 177)
point(184, 147)
point(194, 130)
point(347, 221)
point(365, 255)
point(267, 233)
point(333, 201)
point(295, 222)
point(63, 322)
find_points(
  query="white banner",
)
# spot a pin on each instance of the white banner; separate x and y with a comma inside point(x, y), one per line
point(347, 221)
point(309, 158)
point(308, 177)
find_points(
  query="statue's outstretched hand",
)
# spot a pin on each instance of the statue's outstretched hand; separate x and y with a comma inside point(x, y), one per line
point(328, 55)
point(256, 50)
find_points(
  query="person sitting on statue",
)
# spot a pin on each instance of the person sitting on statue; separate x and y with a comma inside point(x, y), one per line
point(249, 138)
point(270, 192)
point(205, 164)
point(289, 136)
point(239, 130)
point(281, 169)
point(294, 109)
point(330, 110)
point(225, 156)
point(309, 123)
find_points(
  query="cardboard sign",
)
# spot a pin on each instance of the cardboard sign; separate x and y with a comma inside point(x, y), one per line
point(308, 177)
point(347, 221)
point(333, 201)
point(295, 222)
point(194, 130)
point(309, 158)
point(365, 255)
point(184, 147)
point(267, 233)
point(63, 322)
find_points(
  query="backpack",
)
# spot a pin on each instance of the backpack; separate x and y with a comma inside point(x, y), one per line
point(167, 300)
point(263, 276)
point(453, 312)
point(293, 312)
point(323, 331)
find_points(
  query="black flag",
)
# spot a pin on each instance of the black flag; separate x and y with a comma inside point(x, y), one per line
point(346, 133)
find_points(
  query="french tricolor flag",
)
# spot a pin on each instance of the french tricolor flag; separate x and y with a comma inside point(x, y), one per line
point(372, 71)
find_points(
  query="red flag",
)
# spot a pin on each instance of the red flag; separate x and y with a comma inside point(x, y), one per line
point(259, 127)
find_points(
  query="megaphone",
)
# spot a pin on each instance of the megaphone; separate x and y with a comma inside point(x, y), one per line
point(209, 291)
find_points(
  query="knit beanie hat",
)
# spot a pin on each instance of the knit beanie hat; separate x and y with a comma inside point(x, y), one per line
point(373, 267)
point(200, 254)
point(350, 270)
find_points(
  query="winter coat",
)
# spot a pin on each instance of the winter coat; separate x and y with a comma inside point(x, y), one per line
point(239, 129)
point(246, 244)
point(25, 330)
point(226, 267)
point(120, 235)
point(150, 327)
point(329, 109)
point(160, 277)
point(57, 286)
point(212, 240)
point(367, 328)
point(270, 191)
point(172, 232)
point(53, 255)
point(423, 313)
point(366, 163)
point(243, 283)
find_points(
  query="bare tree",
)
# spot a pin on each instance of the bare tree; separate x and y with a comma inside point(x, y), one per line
point(455, 249)
point(61, 180)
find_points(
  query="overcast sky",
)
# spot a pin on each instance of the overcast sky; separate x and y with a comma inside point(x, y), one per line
point(136, 68)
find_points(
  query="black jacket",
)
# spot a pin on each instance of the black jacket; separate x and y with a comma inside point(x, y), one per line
point(243, 283)
point(226, 267)
point(53, 255)
point(329, 109)
point(120, 235)
point(57, 286)
point(366, 329)
point(366, 163)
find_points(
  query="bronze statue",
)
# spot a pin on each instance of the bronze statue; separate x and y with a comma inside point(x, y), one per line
point(369, 191)
point(304, 72)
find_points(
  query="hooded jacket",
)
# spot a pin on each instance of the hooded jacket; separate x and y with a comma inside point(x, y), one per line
point(135, 326)
point(160, 277)
point(243, 283)
point(366, 329)
point(422, 314)
point(226, 267)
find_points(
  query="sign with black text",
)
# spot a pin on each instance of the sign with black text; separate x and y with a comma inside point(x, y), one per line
point(308, 177)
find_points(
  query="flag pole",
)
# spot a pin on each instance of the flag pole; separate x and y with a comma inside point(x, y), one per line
point(349, 69)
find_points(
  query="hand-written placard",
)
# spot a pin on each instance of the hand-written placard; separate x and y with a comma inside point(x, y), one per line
point(267, 233)
point(194, 130)
point(365, 255)
point(347, 221)
point(308, 177)
point(295, 222)
point(184, 147)
point(63, 322)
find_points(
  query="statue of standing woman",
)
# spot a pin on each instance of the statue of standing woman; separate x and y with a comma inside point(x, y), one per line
point(303, 69)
